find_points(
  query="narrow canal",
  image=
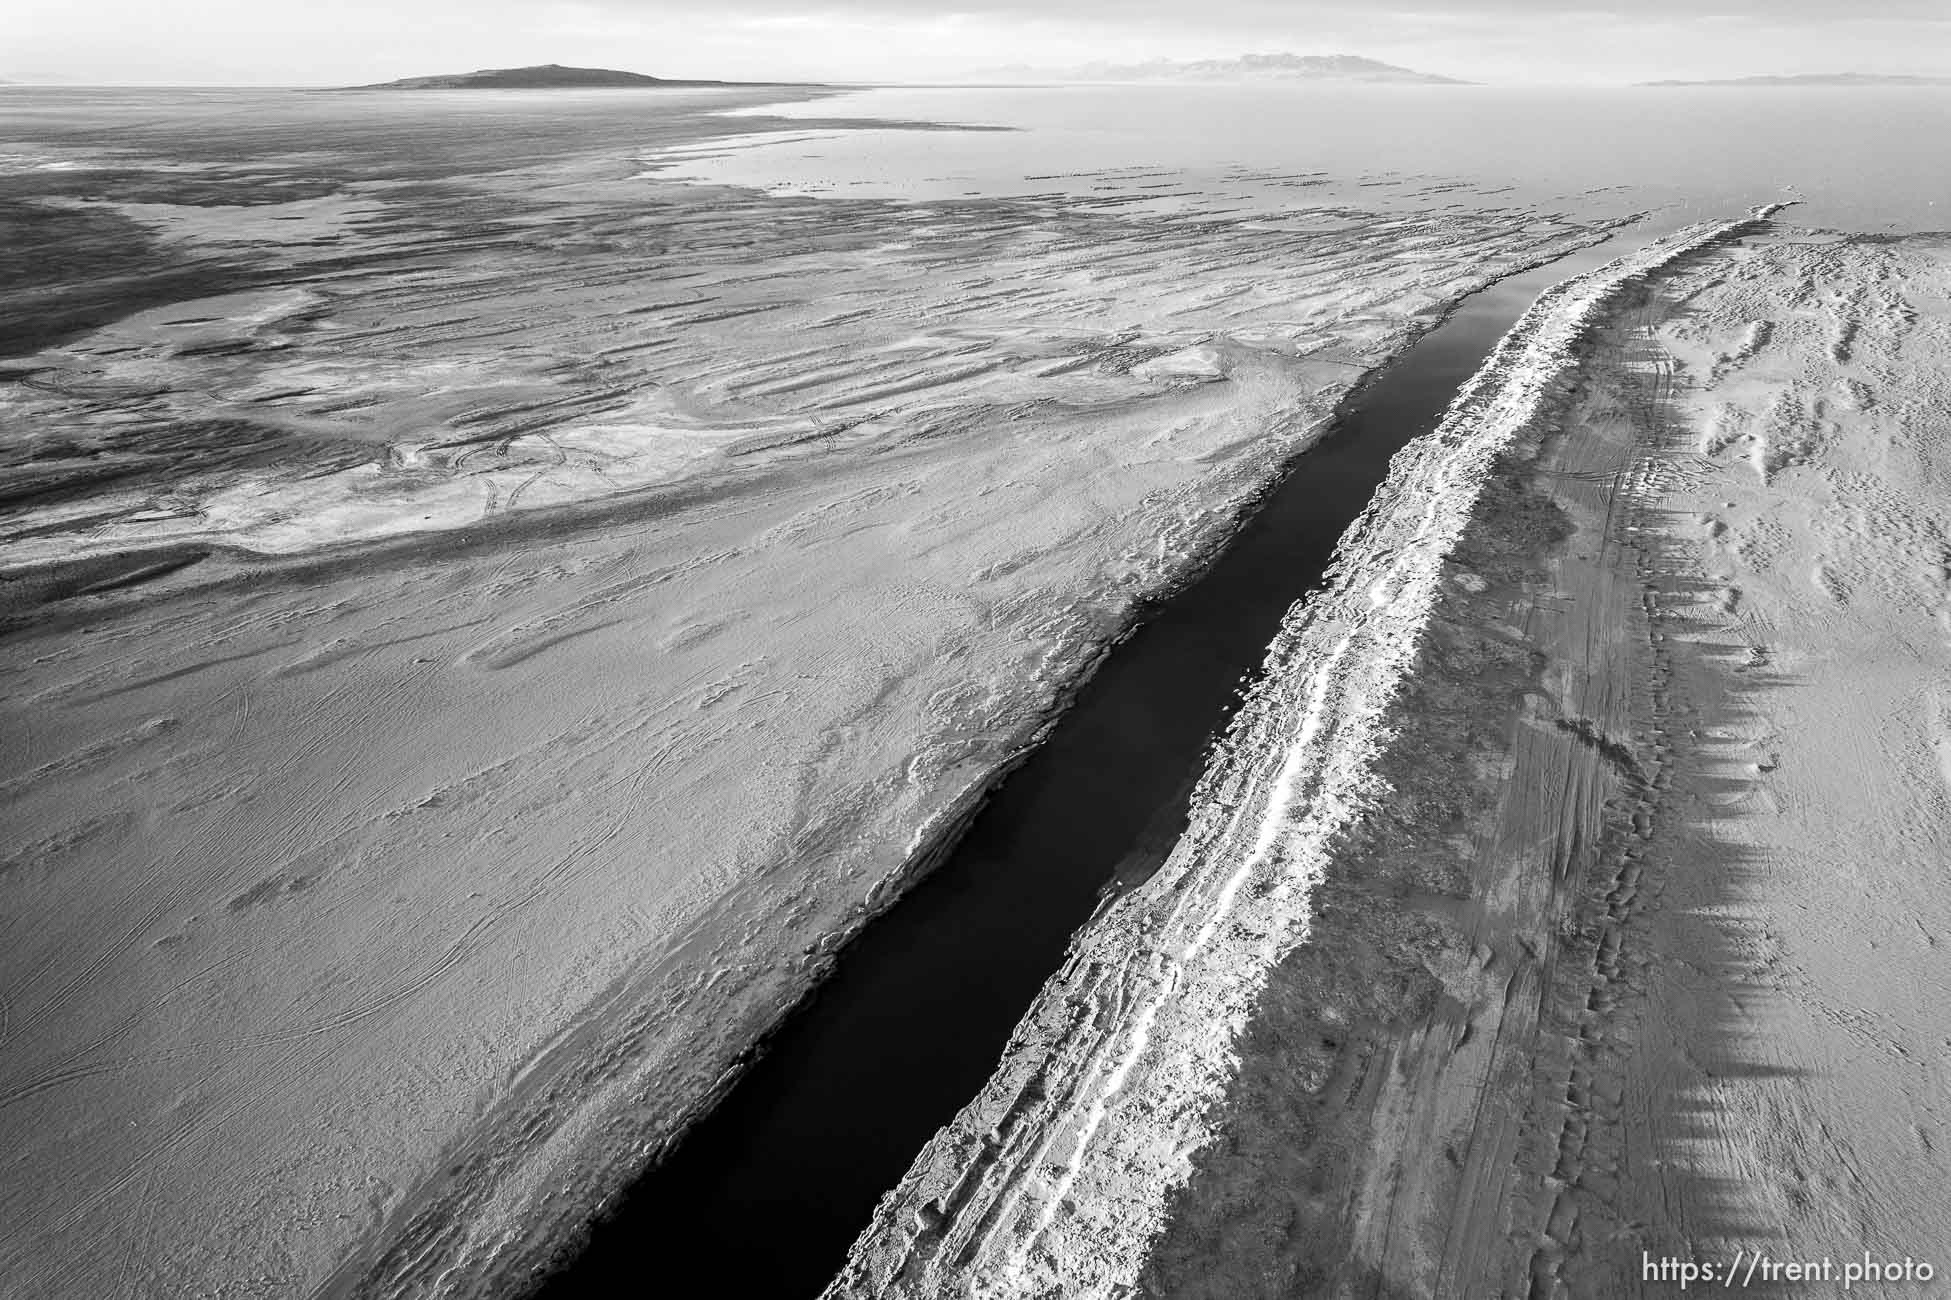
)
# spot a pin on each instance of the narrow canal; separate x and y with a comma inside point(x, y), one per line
point(763, 1198)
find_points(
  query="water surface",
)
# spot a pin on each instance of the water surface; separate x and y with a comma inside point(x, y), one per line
point(1862, 158)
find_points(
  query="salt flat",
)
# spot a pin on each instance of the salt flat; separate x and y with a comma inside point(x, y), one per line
point(485, 622)
point(1812, 502)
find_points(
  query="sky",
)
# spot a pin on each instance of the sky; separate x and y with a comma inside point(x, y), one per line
point(303, 42)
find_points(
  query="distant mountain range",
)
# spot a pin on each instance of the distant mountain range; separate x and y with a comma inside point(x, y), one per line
point(546, 76)
point(1816, 79)
point(1248, 67)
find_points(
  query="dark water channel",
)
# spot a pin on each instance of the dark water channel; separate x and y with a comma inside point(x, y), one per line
point(763, 1198)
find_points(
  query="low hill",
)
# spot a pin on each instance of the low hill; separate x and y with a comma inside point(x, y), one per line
point(547, 76)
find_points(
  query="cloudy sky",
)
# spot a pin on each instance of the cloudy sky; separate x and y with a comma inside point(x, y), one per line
point(300, 42)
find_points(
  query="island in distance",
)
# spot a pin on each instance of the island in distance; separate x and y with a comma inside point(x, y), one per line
point(545, 76)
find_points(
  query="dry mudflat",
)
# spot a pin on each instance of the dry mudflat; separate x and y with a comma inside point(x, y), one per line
point(1626, 939)
point(483, 622)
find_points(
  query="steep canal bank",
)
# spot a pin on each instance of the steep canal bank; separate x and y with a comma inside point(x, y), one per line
point(766, 1194)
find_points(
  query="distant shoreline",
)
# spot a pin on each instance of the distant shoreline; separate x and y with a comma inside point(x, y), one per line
point(1844, 80)
point(1005, 83)
point(636, 89)
point(550, 76)
point(306, 89)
